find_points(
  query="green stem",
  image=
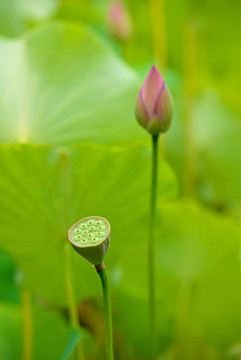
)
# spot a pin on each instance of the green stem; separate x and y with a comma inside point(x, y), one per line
point(79, 352)
point(159, 32)
point(184, 346)
point(190, 88)
point(27, 325)
point(183, 307)
point(151, 249)
point(107, 309)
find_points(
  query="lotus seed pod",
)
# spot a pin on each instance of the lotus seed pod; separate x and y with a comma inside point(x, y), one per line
point(90, 237)
point(154, 105)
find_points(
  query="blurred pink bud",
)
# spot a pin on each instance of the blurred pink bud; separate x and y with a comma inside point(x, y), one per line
point(154, 105)
point(120, 21)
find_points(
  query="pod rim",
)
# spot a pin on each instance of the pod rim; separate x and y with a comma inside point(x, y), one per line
point(83, 220)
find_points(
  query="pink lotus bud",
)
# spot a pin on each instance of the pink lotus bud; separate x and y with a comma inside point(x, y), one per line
point(119, 19)
point(154, 105)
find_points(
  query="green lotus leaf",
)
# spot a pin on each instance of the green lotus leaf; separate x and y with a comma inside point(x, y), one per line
point(45, 191)
point(9, 291)
point(76, 91)
point(197, 284)
point(17, 15)
point(46, 344)
point(10, 332)
point(218, 140)
point(216, 132)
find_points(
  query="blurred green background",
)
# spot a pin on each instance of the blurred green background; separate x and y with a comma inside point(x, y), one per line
point(70, 147)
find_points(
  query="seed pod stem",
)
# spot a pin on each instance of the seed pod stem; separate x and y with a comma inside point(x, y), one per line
point(27, 325)
point(107, 309)
point(90, 238)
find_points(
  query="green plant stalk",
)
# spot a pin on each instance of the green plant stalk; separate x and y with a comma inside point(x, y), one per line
point(190, 88)
point(107, 309)
point(27, 325)
point(159, 32)
point(183, 318)
point(151, 249)
point(183, 307)
point(79, 352)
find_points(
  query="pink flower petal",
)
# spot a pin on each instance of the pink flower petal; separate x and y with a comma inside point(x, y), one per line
point(115, 11)
point(151, 90)
point(164, 105)
point(140, 111)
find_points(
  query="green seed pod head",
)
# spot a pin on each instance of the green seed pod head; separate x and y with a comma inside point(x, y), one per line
point(90, 237)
